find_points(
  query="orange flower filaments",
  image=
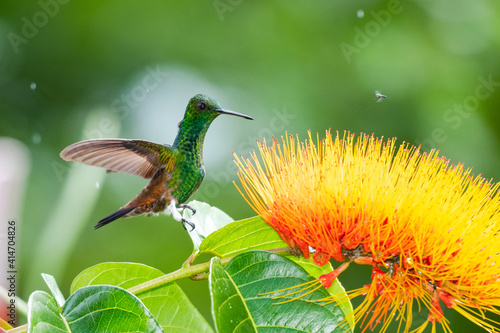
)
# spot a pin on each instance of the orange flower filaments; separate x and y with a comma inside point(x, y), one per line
point(430, 229)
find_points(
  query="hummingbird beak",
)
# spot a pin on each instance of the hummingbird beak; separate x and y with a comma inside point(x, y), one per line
point(232, 113)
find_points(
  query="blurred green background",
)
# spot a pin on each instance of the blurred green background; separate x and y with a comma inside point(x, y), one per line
point(73, 70)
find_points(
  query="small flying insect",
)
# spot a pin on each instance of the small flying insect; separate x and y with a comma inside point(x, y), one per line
point(379, 96)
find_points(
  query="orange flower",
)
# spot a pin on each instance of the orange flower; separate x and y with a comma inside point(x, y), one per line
point(430, 229)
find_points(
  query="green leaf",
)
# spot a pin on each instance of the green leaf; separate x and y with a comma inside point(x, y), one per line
point(107, 308)
point(54, 288)
point(255, 234)
point(90, 309)
point(241, 236)
point(207, 220)
point(236, 304)
point(168, 304)
point(43, 314)
point(336, 289)
point(120, 274)
point(228, 306)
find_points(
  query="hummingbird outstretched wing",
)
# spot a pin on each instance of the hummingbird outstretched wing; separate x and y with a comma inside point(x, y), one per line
point(136, 157)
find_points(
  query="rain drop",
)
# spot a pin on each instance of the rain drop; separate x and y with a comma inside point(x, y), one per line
point(361, 13)
point(33, 86)
point(97, 185)
point(36, 138)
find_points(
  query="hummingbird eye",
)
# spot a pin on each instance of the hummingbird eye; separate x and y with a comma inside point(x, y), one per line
point(202, 106)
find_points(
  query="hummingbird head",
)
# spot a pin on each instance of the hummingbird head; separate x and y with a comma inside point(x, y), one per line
point(206, 109)
point(200, 112)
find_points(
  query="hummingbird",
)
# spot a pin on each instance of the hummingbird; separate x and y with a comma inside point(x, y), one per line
point(175, 171)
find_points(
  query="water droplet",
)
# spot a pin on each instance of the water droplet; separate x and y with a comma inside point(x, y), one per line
point(361, 13)
point(36, 138)
point(97, 185)
point(33, 86)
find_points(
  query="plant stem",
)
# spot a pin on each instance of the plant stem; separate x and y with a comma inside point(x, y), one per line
point(176, 275)
point(188, 271)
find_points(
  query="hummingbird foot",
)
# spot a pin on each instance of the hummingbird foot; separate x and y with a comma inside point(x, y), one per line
point(191, 224)
point(177, 216)
point(184, 206)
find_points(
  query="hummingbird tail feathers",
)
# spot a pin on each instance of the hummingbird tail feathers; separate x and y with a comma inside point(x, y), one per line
point(116, 215)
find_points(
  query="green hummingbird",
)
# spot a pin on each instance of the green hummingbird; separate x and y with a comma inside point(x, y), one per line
point(175, 171)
